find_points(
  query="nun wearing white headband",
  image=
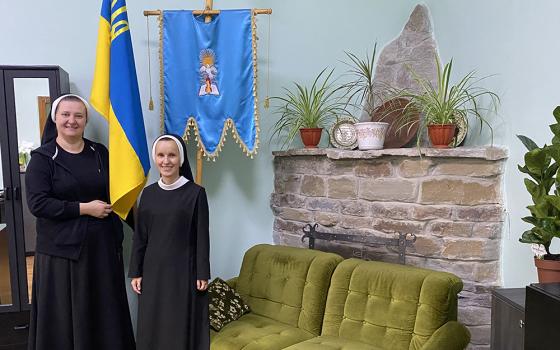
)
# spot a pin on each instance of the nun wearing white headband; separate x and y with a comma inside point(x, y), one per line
point(170, 265)
point(79, 295)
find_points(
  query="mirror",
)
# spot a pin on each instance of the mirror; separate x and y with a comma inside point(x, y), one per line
point(32, 104)
point(5, 282)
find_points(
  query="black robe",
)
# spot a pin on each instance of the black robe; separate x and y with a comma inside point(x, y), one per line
point(170, 251)
point(79, 296)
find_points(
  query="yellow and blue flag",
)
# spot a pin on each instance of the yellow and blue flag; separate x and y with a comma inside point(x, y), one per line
point(115, 95)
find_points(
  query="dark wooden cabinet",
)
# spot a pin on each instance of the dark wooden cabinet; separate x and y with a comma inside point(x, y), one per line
point(25, 95)
point(508, 319)
point(542, 314)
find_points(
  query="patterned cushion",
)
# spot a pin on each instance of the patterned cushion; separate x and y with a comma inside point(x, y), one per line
point(225, 304)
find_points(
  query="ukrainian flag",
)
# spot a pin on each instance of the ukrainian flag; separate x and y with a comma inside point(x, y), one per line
point(115, 95)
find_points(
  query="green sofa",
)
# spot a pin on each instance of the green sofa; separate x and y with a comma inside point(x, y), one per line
point(299, 303)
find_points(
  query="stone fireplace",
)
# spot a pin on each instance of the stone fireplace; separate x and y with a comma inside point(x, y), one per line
point(451, 199)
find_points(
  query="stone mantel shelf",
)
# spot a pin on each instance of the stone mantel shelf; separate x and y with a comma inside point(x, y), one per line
point(491, 153)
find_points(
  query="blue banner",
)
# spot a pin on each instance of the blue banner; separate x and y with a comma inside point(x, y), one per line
point(209, 74)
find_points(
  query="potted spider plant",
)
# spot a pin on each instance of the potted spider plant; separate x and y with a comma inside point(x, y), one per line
point(542, 164)
point(445, 105)
point(307, 110)
point(362, 94)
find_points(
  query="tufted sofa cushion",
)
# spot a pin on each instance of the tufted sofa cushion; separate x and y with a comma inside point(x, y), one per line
point(287, 284)
point(327, 342)
point(388, 306)
point(254, 332)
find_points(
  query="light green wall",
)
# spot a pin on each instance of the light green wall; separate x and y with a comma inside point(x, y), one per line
point(509, 38)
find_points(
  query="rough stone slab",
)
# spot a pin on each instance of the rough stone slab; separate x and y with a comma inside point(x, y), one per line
point(323, 204)
point(430, 212)
point(481, 213)
point(480, 335)
point(287, 200)
point(313, 186)
point(393, 190)
point(470, 167)
point(397, 226)
point(487, 272)
point(491, 230)
point(288, 226)
point(391, 210)
point(450, 229)
point(353, 222)
point(285, 238)
point(415, 168)
point(473, 315)
point(463, 192)
point(483, 152)
point(355, 208)
point(343, 187)
point(373, 168)
point(326, 219)
point(426, 246)
point(471, 249)
point(303, 216)
point(340, 167)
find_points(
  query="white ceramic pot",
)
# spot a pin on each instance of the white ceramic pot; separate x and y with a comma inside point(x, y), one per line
point(371, 135)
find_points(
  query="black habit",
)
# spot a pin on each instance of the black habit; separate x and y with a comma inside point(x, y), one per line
point(79, 296)
point(170, 252)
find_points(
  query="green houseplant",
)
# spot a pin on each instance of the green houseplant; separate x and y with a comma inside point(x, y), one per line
point(363, 93)
point(307, 111)
point(543, 184)
point(446, 104)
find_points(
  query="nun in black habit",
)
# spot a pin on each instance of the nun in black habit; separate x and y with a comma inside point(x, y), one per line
point(79, 297)
point(170, 255)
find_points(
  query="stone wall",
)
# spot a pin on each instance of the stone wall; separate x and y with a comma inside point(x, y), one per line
point(452, 200)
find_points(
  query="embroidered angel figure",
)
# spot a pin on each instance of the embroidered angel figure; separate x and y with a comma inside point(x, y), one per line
point(208, 73)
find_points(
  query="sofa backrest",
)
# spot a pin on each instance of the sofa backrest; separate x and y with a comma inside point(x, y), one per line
point(392, 306)
point(287, 284)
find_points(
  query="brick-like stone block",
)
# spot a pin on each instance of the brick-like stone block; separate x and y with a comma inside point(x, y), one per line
point(469, 167)
point(388, 190)
point(456, 191)
point(480, 213)
point(304, 165)
point(430, 212)
point(295, 214)
point(472, 315)
point(287, 200)
point(471, 249)
point(487, 272)
point(355, 208)
point(450, 229)
point(391, 210)
point(323, 204)
point(397, 226)
point(373, 168)
point(491, 230)
point(313, 186)
point(287, 183)
point(414, 168)
point(283, 238)
point(480, 335)
point(352, 222)
point(427, 246)
point(340, 167)
point(344, 187)
point(326, 219)
point(288, 226)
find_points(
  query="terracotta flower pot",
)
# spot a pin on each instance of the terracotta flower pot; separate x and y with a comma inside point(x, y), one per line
point(310, 136)
point(548, 270)
point(441, 135)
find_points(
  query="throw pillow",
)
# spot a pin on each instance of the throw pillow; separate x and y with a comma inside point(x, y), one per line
point(225, 304)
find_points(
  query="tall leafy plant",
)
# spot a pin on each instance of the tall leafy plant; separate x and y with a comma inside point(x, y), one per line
point(543, 184)
point(445, 102)
point(307, 107)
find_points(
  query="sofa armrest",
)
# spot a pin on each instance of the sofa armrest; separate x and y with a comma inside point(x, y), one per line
point(232, 282)
point(451, 336)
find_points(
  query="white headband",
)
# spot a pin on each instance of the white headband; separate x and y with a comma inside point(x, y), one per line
point(54, 105)
point(179, 146)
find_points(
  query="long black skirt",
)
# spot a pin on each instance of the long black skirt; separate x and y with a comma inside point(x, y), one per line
point(82, 305)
